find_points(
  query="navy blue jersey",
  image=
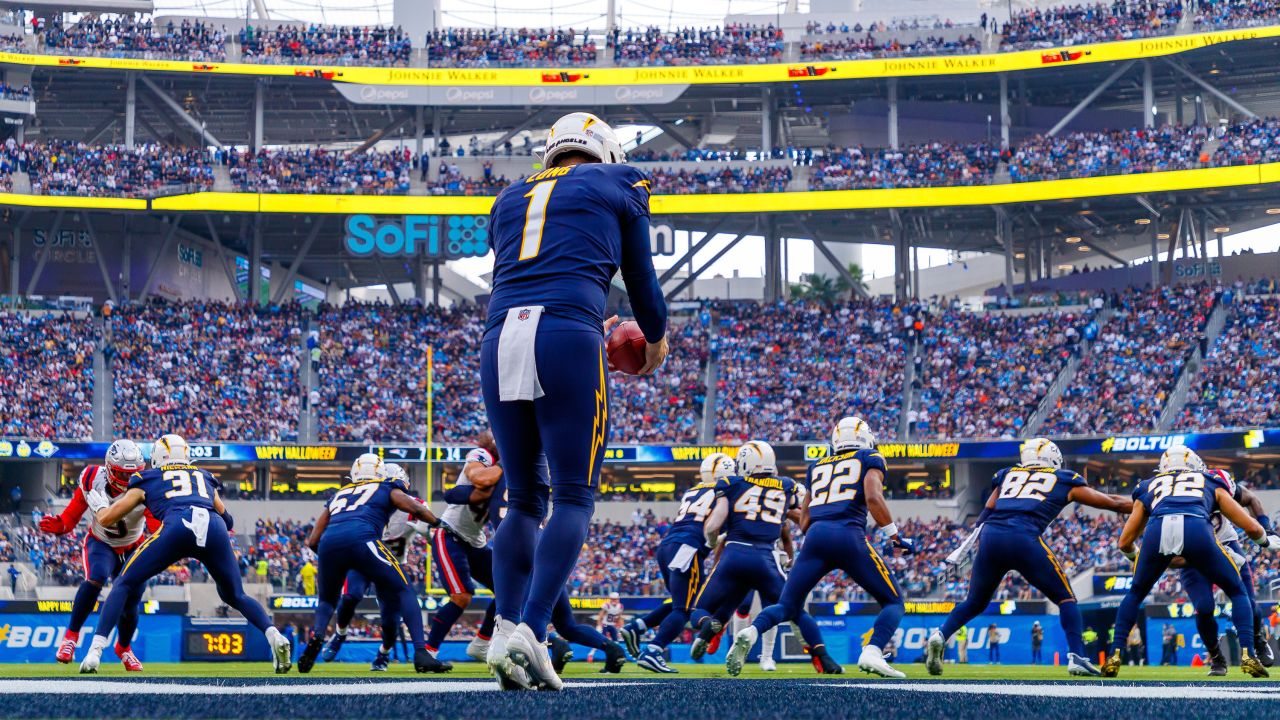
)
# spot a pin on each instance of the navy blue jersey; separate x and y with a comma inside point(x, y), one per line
point(757, 507)
point(360, 510)
point(561, 235)
point(695, 505)
point(835, 486)
point(175, 488)
point(1030, 498)
point(1179, 493)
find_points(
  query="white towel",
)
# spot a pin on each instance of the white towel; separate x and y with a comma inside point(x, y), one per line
point(683, 559)
point(199, 525)
point(1172, 535)
point(517, 358)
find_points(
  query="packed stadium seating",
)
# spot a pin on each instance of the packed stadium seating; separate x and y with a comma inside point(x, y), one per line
point(325, 43)
point(127, 36)
point(1117, 152)
point(206, 370)
point(1129, 371)
point(982, 374)
point(733, 43)
point(1237, 387)
point(62, 167)
point(46, 374)
point(507, 47)
point(1090, 23)
point(784, 370)
point(926, 165)
point(319, 171)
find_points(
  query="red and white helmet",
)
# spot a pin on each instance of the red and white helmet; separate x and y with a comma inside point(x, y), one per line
point(124, 458)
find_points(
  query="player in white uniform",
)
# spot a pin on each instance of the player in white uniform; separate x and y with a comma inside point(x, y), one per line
point(396, 536)
point(105, 548)
point(460, 548)
point(1200, 590)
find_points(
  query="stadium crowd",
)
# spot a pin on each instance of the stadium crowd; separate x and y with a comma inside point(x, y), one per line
point(1112, 152)
point(46, 375)
point(733, 43)
point(205, 370)
point(319, 171)
point(1239, 382)
point(869, 46)
point(130, 36)
point(368, 45)
point(1134, 362)
point(1090, 23)
point(923, 165)
point(63, 167)
point(509, 47)
point(1249, 143)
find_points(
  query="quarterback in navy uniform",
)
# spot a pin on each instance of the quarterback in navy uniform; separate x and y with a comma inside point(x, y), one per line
point(842, 488)
point(1200, 590)
point(681, 556)
point(752, 507)
point(558, 238)
point(193, 524)
point(1024, 500)
point(348, 535)
point(1171, 518)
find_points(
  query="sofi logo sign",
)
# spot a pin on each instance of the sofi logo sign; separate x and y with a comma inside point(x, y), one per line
point(439, 236)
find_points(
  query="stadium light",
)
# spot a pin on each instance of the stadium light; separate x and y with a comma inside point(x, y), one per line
point(1273, 211)
point(1020, 256)
point(1142, 221)
point(1222, 230)
point(1065, 266)
point(1083, 248)
point(1073, 239)
point(1162, 236)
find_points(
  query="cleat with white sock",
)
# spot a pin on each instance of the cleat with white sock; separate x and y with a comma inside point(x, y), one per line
point(742, 643)
point(933, 653)
point(767, 640)
point(93, 659)
point(478, 649)
point(510, 676)
point(524, 648)
point(767, 664)
point(872, 661)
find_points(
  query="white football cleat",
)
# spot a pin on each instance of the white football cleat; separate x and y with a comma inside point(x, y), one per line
point(524, 649)
point(767, 664)
point(737, 655)
point(478, 650)
point(933, 653)
point(281, 651)
point(510, 676)
point(872, 661)
point(89, 666)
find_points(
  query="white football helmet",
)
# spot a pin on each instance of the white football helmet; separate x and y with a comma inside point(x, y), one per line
point(170, 450)
point(395, 472)
point(585, 133)
point(851, 433)
point(368, 467)
point(756, 458)
point(1181, 457)
point(124, 458)
point(707, 472)
point(1039, 453)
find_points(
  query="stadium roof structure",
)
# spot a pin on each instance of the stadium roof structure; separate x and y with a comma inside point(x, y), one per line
point(229, 104)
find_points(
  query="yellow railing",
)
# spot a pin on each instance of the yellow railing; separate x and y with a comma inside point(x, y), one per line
point(709, 204)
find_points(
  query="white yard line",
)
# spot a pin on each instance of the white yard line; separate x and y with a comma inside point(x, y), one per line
point(124, 687)
point(1081, 690)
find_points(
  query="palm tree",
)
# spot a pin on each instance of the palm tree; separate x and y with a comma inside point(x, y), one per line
point(816, 287)
point(855, 272)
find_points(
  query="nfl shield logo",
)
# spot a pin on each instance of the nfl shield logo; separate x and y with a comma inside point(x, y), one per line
point(524, 314)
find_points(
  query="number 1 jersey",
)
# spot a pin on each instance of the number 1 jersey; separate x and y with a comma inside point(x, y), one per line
point(1029, 499)
point(558, 239)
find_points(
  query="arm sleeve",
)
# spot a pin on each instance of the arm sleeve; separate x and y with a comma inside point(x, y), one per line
point(647, 302)
point(458, 495)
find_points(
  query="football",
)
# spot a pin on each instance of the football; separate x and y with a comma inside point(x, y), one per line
point(626, 348)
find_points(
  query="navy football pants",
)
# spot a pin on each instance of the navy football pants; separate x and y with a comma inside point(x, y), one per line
point(570, 426)
point(1001, 551)
point(337, 556)
point(1200, 593)
point(832, 546)
point(174, 541)
point(683, 586)
point(101, 563)
point(1203, 553)
point(743, 569)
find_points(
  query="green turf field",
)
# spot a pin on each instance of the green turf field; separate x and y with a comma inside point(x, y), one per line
point(582, 671)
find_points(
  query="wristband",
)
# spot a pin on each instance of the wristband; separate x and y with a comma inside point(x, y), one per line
point(891, 529)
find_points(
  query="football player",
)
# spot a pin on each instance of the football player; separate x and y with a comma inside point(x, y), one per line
point(752, 507)
point(558, 239)
point(396, 536)
point(461, 549)
point(1024, 500)
point(1171, 517)
point(843, 488)
point(105, 548)
point(681, 555)
point(194, 524)
point(1200, 591)
point(348, 535)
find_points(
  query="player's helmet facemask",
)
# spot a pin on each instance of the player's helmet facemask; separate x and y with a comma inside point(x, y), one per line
point(124, 458)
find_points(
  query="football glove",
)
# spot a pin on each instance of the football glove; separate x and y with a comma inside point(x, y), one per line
point(52, 524)
point(908, 547)
point(97, 500)
point(1131, 554)
point(1269, 542)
